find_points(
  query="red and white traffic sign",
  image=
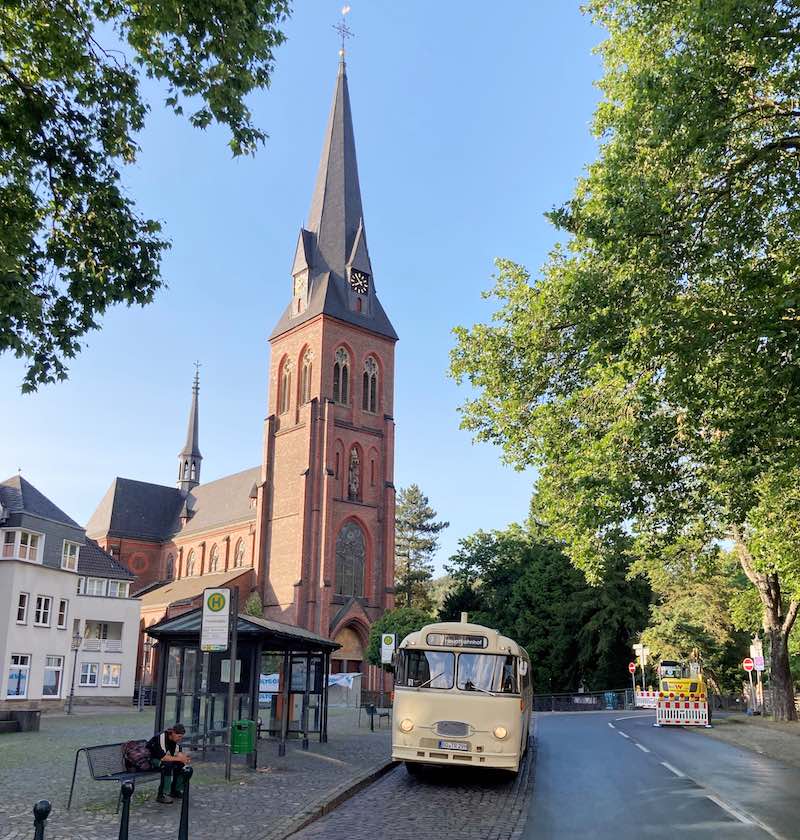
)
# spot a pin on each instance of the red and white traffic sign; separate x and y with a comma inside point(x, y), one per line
point(632, 667)
point(748, 664)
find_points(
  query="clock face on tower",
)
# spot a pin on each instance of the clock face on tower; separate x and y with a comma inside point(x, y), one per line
point(359, 281)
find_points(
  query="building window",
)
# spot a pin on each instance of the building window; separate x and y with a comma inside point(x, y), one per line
point(53, 671)
point(18, 674)
point(63, 609)
point(350, 561)
point(81, 585)
point(112, 675)
point(41, 618)
point(22, 608)
point(372, 472)
point(69, 556)
point(238, 556)
point(341, 377)
point(21, 545)
point(89, 671)
point(190, 564)
point(95, 586)
point(118, 588)
point(370, 386)
point(193, 472)
point(170, 566)
point(213, 559)
point(305, 377)
point(284, 398)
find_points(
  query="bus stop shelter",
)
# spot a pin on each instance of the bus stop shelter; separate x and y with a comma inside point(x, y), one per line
point(281, 680)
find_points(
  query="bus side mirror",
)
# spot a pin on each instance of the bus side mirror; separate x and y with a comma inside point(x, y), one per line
point(523, 667)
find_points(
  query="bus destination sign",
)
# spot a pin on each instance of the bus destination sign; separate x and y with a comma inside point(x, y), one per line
point(456, 640)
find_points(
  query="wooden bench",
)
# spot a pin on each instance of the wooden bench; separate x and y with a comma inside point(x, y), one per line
point(106, 764)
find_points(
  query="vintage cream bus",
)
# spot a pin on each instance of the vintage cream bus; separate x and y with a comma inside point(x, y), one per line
point(462, 696)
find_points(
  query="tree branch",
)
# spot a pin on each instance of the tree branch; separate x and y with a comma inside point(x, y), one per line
point(791, 615)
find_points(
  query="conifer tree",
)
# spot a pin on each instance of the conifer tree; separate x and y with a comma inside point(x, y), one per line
point(416, 541)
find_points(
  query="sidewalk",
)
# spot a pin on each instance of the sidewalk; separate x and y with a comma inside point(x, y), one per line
point(774, 739)
point(262, 805)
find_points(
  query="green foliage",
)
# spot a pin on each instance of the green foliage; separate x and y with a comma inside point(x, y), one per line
point(402, 621)
point(416, 542)
point(651, 372)
point(253, 605)
point(71, 240)
point(524, 585)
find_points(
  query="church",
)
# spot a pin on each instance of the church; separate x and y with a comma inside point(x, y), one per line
point(307, 536)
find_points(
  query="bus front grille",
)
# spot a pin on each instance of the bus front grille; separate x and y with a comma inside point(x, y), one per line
point(452, 728)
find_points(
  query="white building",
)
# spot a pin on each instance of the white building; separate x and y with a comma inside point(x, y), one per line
point(55, 585)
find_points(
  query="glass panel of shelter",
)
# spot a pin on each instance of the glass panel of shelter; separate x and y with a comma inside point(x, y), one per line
point(305, 692)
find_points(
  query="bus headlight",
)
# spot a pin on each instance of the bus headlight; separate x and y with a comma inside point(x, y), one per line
point(406, 725)
point(500, 732)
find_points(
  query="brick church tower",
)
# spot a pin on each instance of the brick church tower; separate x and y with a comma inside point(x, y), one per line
point(326, 498)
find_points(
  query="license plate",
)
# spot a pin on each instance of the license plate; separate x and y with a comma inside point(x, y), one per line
point(453, 745)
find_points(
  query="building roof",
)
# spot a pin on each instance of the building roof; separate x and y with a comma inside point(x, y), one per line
point(136, 509)
point(18, 495)
point(188, 588)
point(336, 239)
point(221, 502)
point(94, 562)
point(283, 635)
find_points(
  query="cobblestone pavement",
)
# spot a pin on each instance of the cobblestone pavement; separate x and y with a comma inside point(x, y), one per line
point(443, 803)
point(254, 806)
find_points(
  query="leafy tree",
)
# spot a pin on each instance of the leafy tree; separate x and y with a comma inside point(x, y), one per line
point(254, 605)
point(416, 541)
point(71, 240)
point(651, 371)
point(524, 585)
point(402, 621)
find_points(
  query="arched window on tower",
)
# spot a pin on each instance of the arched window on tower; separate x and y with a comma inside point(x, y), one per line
point(341, 376)
point(238, 555)
point(284, 396)
point(350, 561)
point(213, 559)
point(191, 566)
point(185, 470)
point(370, 386)
point(305, 377)
point(170, 571)
point(193, 471)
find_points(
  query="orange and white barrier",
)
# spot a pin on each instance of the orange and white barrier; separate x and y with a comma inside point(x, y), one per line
point(681, 709)
point(646, 699)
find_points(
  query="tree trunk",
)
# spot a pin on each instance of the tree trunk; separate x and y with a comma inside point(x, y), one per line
point(778, 621)
point(780, 675)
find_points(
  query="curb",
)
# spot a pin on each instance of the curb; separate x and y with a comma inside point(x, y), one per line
point(286, 828)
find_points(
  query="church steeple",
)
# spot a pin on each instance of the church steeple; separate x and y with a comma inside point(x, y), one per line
point(190, 458)
point(331, 271)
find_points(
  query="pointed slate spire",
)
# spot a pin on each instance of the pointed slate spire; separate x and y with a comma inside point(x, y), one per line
point(336, 204)
point(190, 458)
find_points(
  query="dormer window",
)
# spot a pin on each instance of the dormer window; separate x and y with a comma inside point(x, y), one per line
point(69, 556)
point(21, 545)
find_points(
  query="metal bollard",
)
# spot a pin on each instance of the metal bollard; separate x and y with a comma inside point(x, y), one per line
point(41, 811)
point(183, 830)
point(126, 793)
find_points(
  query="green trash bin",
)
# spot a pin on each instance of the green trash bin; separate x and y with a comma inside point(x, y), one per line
point(244, 737)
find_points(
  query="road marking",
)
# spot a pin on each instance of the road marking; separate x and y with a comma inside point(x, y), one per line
point(624, 735)
point(643, 749)
point(631, 717)
point(674, 770)
point(732, 811)
point(611, 725)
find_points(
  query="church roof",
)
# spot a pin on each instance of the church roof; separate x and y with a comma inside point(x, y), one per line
point(221, 502)
point(335, 223)
point(18, 495)
point(136, 509)
point(140, 510)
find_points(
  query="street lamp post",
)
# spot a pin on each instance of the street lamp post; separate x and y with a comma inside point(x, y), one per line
point(76, 643)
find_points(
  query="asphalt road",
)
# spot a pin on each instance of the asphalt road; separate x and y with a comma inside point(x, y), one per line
point(614, 775)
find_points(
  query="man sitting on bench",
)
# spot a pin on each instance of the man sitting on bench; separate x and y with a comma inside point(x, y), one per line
point(166, 755)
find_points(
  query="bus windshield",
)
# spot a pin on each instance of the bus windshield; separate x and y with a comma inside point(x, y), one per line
point(425, 669)
point(487, 672)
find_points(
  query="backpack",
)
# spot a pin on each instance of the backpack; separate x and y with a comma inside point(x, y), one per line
point(136, 756)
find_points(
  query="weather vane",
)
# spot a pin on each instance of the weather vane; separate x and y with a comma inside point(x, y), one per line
point(343, 30)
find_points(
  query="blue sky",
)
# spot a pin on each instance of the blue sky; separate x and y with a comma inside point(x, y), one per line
point(470, 123)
